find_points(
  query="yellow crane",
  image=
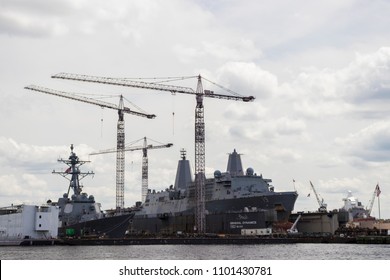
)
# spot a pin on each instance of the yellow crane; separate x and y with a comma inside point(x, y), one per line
point(200, 220)
point(145, 165)
point(120, 150)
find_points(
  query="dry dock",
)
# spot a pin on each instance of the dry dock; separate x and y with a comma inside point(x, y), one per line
point(204, 240)
point(225, 240)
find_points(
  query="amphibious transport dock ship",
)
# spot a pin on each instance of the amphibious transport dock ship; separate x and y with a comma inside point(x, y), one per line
point(235, 202)
point(80, 215)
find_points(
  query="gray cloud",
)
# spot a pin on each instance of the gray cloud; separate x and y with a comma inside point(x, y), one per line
point(371, 144)
point(36, 18)
point(349, 90)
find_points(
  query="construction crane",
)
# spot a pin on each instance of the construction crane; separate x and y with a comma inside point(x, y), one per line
point(120, 151)
point(376, 193)
point(200, 219)
point(145, 168)
point(321, 203)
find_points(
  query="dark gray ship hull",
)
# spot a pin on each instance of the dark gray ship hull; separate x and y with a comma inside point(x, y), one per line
point(229, 216)
point(222, 223)
point(108, 227)
point(279, 204)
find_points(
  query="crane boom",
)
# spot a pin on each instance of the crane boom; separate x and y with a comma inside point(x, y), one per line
point(371, 203)
point(293, 228)
point(146, 85)
point(149, 147)
point(322, 205)
point(200, 211)
point(100, 103)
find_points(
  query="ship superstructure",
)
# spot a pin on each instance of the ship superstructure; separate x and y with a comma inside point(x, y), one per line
point(354, 207)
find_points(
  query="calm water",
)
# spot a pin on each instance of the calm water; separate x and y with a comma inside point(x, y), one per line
point(201, 252)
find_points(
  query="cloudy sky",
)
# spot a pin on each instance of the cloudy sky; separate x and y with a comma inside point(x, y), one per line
point(319, 71)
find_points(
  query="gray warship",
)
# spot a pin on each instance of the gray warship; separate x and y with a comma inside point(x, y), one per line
point(79, 214)
point(235, 202)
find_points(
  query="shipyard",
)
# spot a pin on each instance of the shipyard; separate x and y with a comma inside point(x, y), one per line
point(194, 130)
point(234, 206)
point(239, 208)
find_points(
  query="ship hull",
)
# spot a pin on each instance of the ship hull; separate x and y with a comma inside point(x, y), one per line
point(223, 223)
point(110, 227)
point(279, 204)
point(228, 216)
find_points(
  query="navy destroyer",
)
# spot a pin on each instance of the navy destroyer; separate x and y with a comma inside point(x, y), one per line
point(80, 215)
point(236, 201)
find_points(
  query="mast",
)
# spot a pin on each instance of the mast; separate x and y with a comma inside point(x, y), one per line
point(73, 169)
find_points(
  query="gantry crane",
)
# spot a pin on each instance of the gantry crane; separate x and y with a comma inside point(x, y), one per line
point(145, 168)
point(200, 220)
point(120, 158)
point(322, 205)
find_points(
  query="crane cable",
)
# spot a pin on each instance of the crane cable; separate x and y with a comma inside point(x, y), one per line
point(101, 123)
point(173, 113)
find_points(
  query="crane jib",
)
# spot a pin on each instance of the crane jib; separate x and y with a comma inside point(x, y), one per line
point(123, 82)
point(88, 100)
point(228, 97)
point(146, 85)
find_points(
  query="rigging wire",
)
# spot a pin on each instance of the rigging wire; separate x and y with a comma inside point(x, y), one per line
point(142, 139)
point(134, 142)
point(101, 123)
point(137, 107)
point(222, 87)
point(174, 79)
point(173, 113)
point(162, 79)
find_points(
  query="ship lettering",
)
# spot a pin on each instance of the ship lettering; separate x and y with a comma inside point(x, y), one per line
point(249, 223)
point(242, 217)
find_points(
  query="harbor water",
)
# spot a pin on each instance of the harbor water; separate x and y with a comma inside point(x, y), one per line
point(300, 251)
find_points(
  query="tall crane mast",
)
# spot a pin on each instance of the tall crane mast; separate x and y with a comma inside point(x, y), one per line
point(322, 205)
point(200, 219)
point(145, 168)
point(120, 158)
